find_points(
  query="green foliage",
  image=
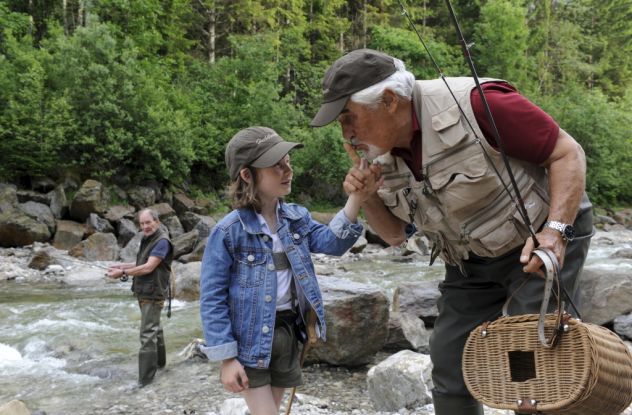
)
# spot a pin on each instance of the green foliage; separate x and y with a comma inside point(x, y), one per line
point(602, 129)
point(131, 90)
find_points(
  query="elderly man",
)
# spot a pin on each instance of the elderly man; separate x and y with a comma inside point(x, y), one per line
point(151, 273)
point(437, 167)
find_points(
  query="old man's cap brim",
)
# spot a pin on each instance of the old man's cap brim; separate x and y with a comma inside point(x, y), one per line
point(328, 112)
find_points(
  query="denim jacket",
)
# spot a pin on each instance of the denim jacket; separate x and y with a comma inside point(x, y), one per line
point(238, 279)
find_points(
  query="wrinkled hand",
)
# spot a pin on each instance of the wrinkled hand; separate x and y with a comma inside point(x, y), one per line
point(114, 272)
point(361, 178)
point(548, 238)
point(233, 376)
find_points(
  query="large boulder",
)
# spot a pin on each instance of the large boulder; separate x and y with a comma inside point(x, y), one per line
point(58, 202)
point(182, 203)
point(98, 247)
point(402, 380)
point(69, 233)
point(90, 198)
point(184, 243)
point(357, 322)
point(129, 253)
point(14, 407)
point(605, 293)
point(187, 280)
point(418, 298)
point(140, 196)
point(19, 229)
point(126, 230)
point(96, 223)
point(407, 331)
point(40, 212)
point(8, 197)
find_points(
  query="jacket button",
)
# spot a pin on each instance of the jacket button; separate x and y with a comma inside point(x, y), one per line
point(270, 267)
point(265, 329)
point(251, 258)
point(296, 236)
point(260, 362)
point(268, 298)
point(265, 238)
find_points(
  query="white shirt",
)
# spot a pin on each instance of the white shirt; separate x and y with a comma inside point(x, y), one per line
point(284, 277)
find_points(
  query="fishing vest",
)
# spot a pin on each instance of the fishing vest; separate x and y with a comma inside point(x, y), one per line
point(155, 284)
point(461, 204)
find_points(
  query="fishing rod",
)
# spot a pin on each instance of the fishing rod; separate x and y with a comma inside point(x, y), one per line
point(124, 278)
point(517, 199)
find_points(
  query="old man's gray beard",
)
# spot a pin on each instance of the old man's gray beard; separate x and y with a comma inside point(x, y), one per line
point(372, 151)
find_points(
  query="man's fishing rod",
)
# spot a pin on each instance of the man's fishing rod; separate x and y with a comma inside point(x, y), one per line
point(124, 278)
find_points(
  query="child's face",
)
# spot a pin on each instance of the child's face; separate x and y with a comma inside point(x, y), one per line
point(276, 181)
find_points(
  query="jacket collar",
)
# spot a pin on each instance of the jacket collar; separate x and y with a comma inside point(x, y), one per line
point(250, 222)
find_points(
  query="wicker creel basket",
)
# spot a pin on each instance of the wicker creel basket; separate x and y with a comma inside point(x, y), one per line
point(586, 370)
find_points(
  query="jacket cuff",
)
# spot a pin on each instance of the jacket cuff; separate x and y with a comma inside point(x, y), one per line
point(343, 228)
point(221, 352)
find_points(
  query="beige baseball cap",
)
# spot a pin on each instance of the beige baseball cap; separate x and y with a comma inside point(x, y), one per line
point(258, 147)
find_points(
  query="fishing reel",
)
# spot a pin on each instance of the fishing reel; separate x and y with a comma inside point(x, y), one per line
point(124, 277)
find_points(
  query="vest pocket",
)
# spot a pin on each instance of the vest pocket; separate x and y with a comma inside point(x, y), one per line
point(450, 129)
point(396, 202)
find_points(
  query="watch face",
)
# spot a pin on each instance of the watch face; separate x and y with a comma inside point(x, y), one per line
point(569, 232)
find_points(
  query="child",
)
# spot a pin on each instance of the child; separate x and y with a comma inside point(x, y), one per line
point(257, 275)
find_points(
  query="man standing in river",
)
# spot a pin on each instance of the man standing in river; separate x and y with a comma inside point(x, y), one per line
point(151, 277)
point(441, 173)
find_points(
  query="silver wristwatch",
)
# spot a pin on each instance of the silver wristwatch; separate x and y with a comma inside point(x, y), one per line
point(567, 231)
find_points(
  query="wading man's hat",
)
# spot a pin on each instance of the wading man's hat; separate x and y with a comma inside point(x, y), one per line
point(353, 72)
point(257, 147)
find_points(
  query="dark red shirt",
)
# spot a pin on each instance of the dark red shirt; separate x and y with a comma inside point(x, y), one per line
point(527, 132)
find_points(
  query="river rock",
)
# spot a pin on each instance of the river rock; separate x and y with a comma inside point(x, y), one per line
point(418, 298)
point(117, 212)
point(141, 196)
point(407, 331)
point(8, 197)
point(19, 229)
point(69, 233)
point(173, 224)
point(184, 243)
point(90, 198)
point(95, 224)
point(623, 325)
point(40, 260)
point(187, 280)
point(357, 323)
point(359, 245)
point(625, 253)
point(14, 407)
point(126, 230)
point(234, 406)
point(40, 212)
point(58, 202)
point(605, 293)
point(129, 253)
point(402, 380)
point(31, 196)
point(182, 203)
point(98, 247)
point(163, 210)
point(197, 253)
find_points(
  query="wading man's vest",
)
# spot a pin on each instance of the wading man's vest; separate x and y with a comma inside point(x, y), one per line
point(461, 204)
point(155, 284)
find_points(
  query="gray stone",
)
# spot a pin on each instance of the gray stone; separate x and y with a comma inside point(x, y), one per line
point(187, 278)
point(98, 247)
point(128, 254)
point(407, 331)
point(14, 407)
point(605, 294)
point(95, 224)
point(89, 199)
point(163, 209)
point(140, 196)
point(418, 298)
point(625, 253)
point(8, 197)
point(68, 234)
point(184, 243)
point(19, 229)
point(117, 212)
point(174, 226)
point(400, 381)
point(197, 253)
point(182, 203)
point(357, 323)
point(40, 213)
point(623, 326)
point(31, 196)
point(58, 202)
point(126, 230)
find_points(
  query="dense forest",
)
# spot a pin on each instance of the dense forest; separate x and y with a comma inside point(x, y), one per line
point(130, 90)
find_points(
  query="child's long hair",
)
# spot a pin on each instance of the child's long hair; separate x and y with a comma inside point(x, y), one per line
point(244, 194)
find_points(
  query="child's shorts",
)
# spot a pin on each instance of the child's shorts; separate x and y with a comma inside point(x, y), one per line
point(284, 370)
